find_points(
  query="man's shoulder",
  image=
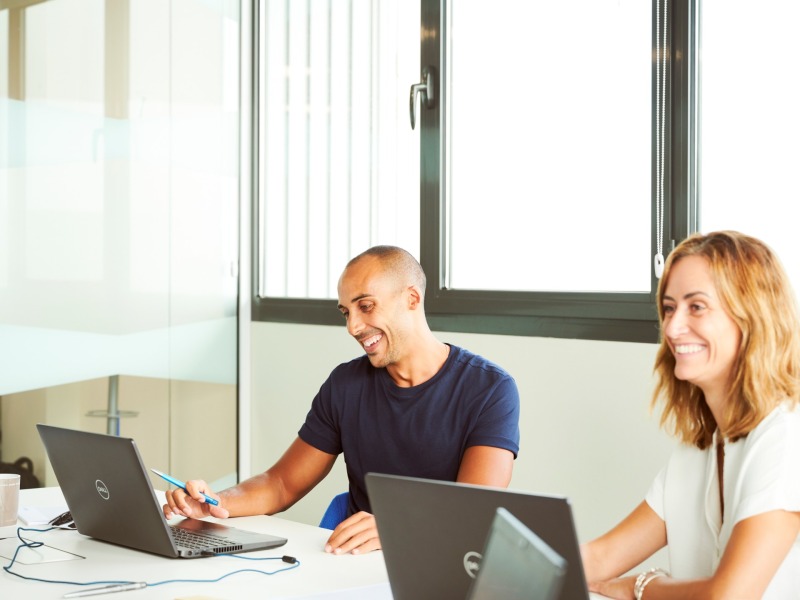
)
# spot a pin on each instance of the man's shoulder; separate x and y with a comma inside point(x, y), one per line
point(355, 368)
point(474, 378)
point(350, 379)
point(470, 361)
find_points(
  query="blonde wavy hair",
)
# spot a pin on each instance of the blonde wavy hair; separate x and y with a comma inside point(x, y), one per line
point(756, 293)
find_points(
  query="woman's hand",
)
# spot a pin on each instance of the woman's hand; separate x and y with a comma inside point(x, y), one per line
point(620, 589)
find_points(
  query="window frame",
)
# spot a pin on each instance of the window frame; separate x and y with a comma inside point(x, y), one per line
point(629, 317)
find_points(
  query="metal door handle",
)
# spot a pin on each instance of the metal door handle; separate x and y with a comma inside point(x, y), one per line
point(426, 92)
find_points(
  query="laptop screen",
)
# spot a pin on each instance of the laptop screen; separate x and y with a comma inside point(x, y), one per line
point(433, 533)
point(517, 564)
point(109, 493)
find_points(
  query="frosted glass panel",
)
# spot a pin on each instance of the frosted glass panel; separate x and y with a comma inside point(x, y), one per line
point(750, 124)
point(549, 146)
point(3, 64)
point(119, 161)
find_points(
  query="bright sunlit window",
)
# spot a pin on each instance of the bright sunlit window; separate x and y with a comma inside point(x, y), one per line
point(549, 149)
point(339, 163)
point(750, 123)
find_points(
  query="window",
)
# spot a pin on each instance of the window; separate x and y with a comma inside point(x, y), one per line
point(749, 124)
point(338, 160)
point(536, 135)
point(538, 164)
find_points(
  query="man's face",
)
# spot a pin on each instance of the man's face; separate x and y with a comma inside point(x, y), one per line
point(375, 307)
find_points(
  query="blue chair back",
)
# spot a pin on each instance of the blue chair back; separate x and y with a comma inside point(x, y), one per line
point(336, 511)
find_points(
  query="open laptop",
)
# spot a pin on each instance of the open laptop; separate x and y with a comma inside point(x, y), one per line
point(109, 494)
point(517, 564)
point(433, 533)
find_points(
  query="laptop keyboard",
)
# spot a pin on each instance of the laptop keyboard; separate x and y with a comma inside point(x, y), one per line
point(199, 541)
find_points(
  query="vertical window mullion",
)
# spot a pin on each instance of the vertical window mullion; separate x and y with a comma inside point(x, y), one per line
point(681, 196)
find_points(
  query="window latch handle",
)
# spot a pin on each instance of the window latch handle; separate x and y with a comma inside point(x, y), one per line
point(426, 93)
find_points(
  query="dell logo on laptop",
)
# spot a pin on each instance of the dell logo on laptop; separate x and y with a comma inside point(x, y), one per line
point(103, 490)
point(472, 562)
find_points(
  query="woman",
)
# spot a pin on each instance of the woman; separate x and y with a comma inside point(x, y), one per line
point(727, 504)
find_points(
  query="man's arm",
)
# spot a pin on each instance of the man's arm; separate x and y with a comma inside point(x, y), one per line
point(299, 469)
point(486, 465)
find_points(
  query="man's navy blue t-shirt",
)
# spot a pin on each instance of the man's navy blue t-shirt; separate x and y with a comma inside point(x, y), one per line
point(421, 431)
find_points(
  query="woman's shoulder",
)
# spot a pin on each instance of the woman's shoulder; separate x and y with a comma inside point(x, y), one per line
point(780, 425)
point(785, 415)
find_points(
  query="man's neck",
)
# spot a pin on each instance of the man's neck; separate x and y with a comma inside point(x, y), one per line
point(427, 359)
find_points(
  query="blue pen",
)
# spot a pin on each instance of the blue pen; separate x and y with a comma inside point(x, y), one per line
point(182, 485)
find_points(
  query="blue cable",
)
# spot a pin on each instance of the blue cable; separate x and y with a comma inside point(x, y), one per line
point(293, 564)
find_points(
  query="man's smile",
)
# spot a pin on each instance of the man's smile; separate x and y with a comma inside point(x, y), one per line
point(370, 342)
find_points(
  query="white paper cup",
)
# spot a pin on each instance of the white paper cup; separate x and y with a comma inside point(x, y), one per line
point(9, 499)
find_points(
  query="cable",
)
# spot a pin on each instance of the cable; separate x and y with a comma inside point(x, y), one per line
point(290, 560)
point(226, 575)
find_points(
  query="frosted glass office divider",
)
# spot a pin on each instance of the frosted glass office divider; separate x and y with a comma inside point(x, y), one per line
point(118, 225)
point(204, 351)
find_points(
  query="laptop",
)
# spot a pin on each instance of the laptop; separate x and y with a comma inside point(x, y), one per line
point(111, 498)
point(517, 564)
point(433, 533)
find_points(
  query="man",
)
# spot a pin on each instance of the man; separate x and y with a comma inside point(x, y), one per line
point(412, 406)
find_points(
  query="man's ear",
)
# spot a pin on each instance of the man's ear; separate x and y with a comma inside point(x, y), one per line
point(414, 297)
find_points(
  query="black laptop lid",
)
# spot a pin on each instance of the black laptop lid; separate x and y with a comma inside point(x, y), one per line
point(107, 489)
point(433, 533)
point(109, 494)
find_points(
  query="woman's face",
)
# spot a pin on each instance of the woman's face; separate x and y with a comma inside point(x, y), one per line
point(703, 337)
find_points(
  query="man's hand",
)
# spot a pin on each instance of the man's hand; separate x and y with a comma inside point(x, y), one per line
point(193, 504)
point(357, 534)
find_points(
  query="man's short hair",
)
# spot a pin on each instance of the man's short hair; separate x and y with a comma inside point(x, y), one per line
point(400, 262)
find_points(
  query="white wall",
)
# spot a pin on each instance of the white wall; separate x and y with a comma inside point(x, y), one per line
point(586, 428)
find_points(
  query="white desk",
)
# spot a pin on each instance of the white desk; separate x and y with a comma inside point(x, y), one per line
point(320, 575)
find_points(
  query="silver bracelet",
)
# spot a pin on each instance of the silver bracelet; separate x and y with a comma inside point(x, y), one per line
point(644, 578)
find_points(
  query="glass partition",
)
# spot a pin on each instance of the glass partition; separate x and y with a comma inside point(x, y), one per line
point(118, 227)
